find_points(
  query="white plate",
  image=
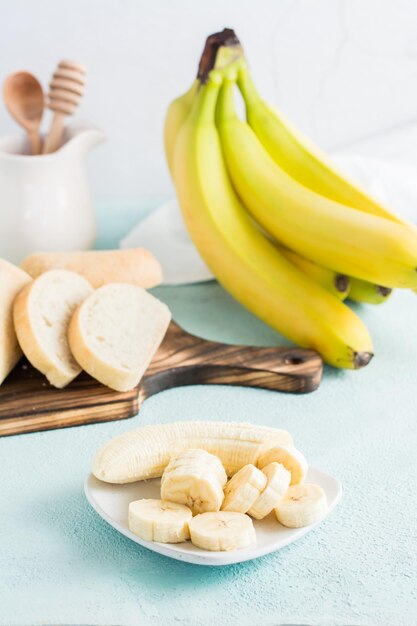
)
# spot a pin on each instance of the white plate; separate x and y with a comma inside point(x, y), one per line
point(111, 503)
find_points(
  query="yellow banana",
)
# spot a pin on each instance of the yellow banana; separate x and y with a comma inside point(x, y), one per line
point(337, 284)
point(305, 162)
point(309, 166)
point(174, 119)
point(296, 154)
point(244, 261)
point(331, 234)
point(362, 291)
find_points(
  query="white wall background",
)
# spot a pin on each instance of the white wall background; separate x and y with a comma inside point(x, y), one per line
point(343, 70)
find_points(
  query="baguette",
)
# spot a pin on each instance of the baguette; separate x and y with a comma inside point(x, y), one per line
point(12, 280)
point(115, 332)
point(41, 313)
point(136, 266)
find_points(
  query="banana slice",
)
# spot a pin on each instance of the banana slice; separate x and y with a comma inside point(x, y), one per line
point(278, 481)
point(224, 530)
point(195, 478)
point(290, 458)
point(159, 520)
point(302, 505)
point(243, 489)
point(197, 457)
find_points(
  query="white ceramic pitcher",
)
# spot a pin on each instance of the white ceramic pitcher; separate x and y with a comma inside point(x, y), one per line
point(45, 201)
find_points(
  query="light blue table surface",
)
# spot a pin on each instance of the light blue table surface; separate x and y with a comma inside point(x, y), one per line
point(61, 564)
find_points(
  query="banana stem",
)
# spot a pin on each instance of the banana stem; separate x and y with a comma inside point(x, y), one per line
point(220, 49)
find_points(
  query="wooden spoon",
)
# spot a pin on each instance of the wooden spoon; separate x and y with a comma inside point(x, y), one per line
point(65, 92)
point(25, 100)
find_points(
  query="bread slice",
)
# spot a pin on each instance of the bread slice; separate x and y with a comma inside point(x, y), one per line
point(115, 333)
point(100, 267)
point(12, 280)
point(41, 313)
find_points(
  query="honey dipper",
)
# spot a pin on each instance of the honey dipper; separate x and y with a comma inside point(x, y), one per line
point(65, 92)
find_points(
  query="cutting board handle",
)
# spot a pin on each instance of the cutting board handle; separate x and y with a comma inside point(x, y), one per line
point(28, 403)
point(184, 359)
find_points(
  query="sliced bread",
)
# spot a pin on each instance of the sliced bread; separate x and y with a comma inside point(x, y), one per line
point(116, 331)
point(12, 280)
point(136, 266)
point(42, 312)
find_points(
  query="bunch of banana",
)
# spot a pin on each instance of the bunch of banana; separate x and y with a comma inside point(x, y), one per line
point(278, 226)
point(197, 501)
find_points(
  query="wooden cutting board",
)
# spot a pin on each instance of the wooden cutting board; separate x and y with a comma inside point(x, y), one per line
point(28, 403)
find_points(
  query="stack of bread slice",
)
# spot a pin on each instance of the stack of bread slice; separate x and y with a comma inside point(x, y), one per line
point(63, 323)
point(12, 280)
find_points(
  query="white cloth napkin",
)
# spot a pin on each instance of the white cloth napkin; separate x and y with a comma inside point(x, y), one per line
point(164, 234)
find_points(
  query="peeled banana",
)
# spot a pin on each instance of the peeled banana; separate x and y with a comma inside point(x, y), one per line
point(329, 233)
point(243, 260)
point(146, 451)
point(159, 520)
point(224, 530)
point(301, 506)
